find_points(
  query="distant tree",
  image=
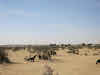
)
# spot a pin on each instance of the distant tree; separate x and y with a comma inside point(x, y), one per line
point(83, 44)
point(69, 45)
point(90, 45)
point(63, 46)
point(73, 49)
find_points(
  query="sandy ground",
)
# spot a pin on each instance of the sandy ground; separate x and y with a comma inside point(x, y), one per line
point(63, 63)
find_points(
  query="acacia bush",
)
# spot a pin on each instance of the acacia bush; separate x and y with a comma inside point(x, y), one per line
point(4, 56)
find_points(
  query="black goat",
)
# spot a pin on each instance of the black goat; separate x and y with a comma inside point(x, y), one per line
point(31, 58)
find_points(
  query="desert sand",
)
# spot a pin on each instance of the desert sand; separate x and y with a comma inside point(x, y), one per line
point(63, 64)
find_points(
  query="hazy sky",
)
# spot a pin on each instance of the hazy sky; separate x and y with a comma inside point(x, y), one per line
point(49, 21)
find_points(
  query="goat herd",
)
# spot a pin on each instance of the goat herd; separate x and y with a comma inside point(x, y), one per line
point(45, 56)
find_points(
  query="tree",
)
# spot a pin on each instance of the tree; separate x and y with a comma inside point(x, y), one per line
point(4, 56)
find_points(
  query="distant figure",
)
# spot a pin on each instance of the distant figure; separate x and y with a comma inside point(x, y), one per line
point(98, 61)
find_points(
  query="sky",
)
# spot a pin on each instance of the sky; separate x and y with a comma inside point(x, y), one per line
point(49, 21)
